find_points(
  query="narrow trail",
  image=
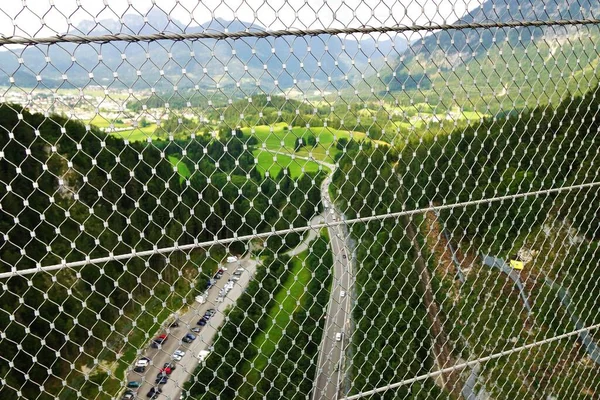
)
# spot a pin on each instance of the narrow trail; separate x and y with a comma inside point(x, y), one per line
point(310, 236)
point(450, 267)
point(294, 156)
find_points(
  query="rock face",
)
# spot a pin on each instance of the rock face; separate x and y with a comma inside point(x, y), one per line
point(526, 255)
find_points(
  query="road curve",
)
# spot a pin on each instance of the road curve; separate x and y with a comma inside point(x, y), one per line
point(330, 363)
point(309, 237)
point(331, 351)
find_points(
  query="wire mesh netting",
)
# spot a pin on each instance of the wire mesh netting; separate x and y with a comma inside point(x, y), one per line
point(299, 199)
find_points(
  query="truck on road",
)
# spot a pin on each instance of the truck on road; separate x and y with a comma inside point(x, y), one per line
point(202, 298)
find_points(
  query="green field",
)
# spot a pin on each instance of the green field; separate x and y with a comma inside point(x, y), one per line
point(287, 300)
point(281, 139)
point(102, 122)
point(137, 134)
point(133, 135)
point(276, 138)
point(182, 168)
point(274, 163)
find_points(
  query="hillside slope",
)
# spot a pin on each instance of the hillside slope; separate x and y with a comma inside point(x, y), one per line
point(502, 68)
point(537, 149)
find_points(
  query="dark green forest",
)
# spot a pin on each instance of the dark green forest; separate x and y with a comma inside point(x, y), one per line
point(388, 308)
point(532, 150)
point(82, 193)
point(99, 196)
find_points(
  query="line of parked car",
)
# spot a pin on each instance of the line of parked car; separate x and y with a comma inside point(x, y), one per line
point(163, 375)
point(207, 316)
point(229, 285)
point(161, 378)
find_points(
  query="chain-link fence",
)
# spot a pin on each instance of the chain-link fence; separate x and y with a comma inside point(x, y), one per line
point(299, 199)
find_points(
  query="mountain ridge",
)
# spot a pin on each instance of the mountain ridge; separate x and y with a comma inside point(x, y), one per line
point(507, 11)
point(494, 66)
point(283, 62)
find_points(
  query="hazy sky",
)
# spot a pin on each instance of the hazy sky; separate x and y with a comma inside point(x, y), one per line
point(48, 17)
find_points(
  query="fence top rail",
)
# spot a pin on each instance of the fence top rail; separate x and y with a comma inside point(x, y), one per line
point(123, 37)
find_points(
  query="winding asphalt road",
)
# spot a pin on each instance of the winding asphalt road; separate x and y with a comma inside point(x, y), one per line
point(331, 351)
point(330, 364)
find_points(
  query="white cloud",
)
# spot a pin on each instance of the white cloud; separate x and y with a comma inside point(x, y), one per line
point(49, 17)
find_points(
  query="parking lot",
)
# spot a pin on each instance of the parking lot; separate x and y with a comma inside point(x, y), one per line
point(198, 348)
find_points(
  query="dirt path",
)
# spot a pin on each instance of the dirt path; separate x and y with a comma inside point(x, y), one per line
point(441, 352)
point(294, 156)
point(309, 237)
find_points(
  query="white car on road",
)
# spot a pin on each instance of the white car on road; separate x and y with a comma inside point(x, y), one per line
point(343, 293)
point(338, 337)
point(143, 362)
point(178, 355)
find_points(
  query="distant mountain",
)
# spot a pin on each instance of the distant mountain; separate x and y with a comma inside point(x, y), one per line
point(497, 61)
point(288, 60)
